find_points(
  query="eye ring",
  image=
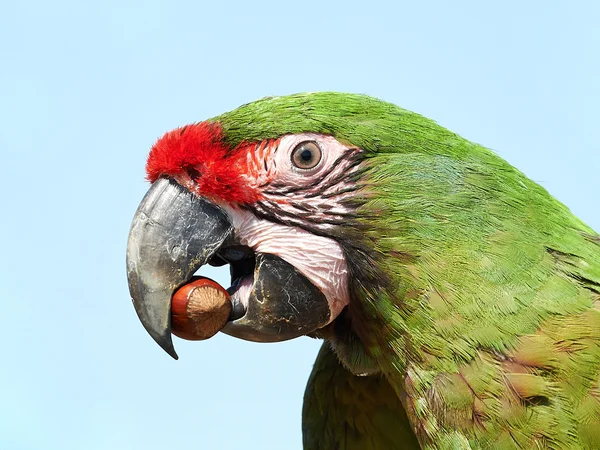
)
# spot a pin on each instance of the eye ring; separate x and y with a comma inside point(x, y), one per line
point(306, 155)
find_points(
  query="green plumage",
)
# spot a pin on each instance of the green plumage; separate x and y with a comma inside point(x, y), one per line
point(476, 292)
point(343, 411)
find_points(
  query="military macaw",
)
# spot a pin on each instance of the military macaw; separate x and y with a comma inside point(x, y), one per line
point(458, 301)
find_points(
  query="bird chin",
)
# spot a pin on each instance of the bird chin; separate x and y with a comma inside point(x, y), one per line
point(348, 347)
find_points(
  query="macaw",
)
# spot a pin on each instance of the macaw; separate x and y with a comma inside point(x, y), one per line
point(458, 301)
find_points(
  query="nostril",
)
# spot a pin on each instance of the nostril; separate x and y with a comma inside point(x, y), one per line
point(193, 172)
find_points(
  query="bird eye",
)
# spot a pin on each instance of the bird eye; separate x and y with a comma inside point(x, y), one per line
point(306, 155)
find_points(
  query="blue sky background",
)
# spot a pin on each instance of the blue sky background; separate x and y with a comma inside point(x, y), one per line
point(87, 87)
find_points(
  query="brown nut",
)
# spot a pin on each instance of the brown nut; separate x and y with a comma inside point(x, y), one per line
point(199, 309)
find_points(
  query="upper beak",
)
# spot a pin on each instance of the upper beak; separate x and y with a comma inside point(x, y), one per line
point(173, 233)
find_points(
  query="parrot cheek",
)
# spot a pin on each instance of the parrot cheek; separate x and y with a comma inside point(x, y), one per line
point(289, 282)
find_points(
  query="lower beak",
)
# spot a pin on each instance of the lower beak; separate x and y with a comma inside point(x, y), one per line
point(172, 235)
point(282, 304)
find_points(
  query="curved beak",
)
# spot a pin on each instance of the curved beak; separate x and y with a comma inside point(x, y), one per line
point(175, 232)
point(172, 235)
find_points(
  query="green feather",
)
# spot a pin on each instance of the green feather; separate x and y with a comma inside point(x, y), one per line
point(475, 291)
point(344, 411)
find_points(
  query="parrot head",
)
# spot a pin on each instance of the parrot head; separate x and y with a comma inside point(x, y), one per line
point(298, 194)
point(415, 253)
point(278, 202)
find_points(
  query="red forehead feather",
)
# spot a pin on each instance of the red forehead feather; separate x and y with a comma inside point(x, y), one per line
point(183, 148)
point(223, 172)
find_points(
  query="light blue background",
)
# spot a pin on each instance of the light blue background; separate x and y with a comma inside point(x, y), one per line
point(85, 90)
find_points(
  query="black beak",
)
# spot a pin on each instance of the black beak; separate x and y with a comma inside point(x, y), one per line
point(174, 233)
point(283, 304)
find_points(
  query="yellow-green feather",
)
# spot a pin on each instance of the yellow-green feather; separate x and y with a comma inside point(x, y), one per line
point(343, 411)
point(494, 261)
point(475, 291)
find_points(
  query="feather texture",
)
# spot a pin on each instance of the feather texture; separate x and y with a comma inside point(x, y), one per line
point(473, 289)
point(347, 412)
